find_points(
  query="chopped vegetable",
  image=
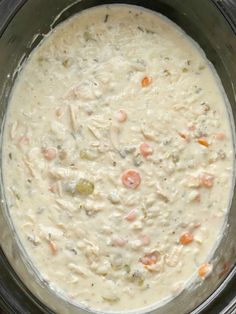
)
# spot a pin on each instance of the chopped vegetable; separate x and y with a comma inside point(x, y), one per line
point(88, 36)
point(49, 153)
point(121, 116)
point(111, 299)
point(146, 81)
point(127, 268)
point(225, 269)
point(175, 158)
point(194, 196)
point(145, 239)
point(131, 179)
point(186, 238)
point(192, 127)
point(207, 180)
point(88, 154)
point(53, 247)
point(24, 140)
point(106, 18)
point(146, 149)
point(140, 28)
point(136, 277)
point(150, 258)
point(184, 136)
point(119, 242)
point(220, 136)
point(203, 141)
point(149, 31)
point(131, 216)
point(205, 270)
point(85, 187)
point(59, 112)
point(68, 62)
point(53, 188)
point(62, 154)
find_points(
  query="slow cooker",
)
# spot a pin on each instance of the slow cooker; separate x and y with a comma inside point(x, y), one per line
point(23, 24)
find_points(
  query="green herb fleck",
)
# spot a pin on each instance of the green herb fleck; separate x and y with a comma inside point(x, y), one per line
point(201, 67)
point(88, 36)
point(137, 278)
point(66, 63)
point(149, 31)
point(106, 18)
point(175, 158)
point(140, 28)
point(127, 268)
point(167, 72)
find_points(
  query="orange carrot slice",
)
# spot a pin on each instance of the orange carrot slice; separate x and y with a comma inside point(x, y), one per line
point(204, 270)
point(207, 180)
point(145, 149)
point(121, 116)
point(131, 179)
point(203, 142)
point(150, 258)
point(131, 216)
point(146, 81)
point(186, 238)
point(53, 247)
point(220, 136)
point(49, 153)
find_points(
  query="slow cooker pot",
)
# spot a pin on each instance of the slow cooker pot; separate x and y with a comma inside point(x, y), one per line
point(212, 23)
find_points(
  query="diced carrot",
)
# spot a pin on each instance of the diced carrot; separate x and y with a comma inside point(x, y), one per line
point(184, 136)
point(119, 242)
point(131, 216)
point(207, 180)
point(131, 179)
point(220, 136)
point(146, 149)
point(121, 116)
point(225, 269)
point(146, 81)
point(145, 239)
point(59, 112)
point(150, 258)
point(49, 153)
point(197, 225)
point(186, 238)
point(53, 188)
point(53, 247)
point(203, 142)
point(204, 270)
point(196, 197)
point(24, 140)
point(191, 127)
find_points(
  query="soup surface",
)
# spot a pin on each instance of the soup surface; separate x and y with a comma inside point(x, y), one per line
point(118, 159)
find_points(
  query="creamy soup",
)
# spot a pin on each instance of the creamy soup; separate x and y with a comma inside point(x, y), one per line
point(118, 159)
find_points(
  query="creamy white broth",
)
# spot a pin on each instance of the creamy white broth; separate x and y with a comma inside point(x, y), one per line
point(118, 159)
